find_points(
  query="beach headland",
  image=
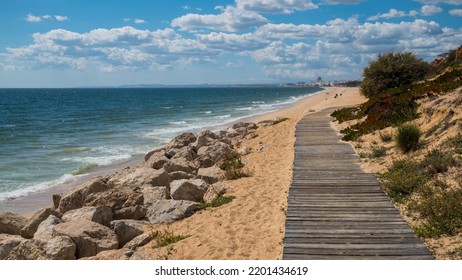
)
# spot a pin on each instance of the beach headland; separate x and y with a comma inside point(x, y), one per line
point(252, 225)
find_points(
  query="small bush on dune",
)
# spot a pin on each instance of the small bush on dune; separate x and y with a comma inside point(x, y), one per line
point(386, 137)
point(234, 168)
point(408, 137)
point(402, 179)
point(378, 152)
point(437, 161)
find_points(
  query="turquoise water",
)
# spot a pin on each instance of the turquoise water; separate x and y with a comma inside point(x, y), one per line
point(50, 136)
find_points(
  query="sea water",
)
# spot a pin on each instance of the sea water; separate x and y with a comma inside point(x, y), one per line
point(52, 136)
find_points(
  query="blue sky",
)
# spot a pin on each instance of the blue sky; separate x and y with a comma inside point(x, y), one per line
point(69, 43)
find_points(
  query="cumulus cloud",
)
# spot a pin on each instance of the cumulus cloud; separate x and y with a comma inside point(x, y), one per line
point(393, 13)
point(339, 2)
point(456, 12)
point(231, 19)
point(429, 10)
point(139, 21)
point(32, 18)
point(435, 2)
point(275, 6)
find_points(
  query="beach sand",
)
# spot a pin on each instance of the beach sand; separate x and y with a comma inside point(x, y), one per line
point(252, 225)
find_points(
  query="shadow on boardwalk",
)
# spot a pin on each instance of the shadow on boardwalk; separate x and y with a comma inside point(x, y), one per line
point(336, 211)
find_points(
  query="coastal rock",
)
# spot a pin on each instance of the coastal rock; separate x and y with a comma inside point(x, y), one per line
point(116, 198)
point(211, 175)
point(30, 228)
point(89, 237)
point(126, 230)
point(76, 198)
point(157, 162)
point(139, 241)
point(100, 214)
point(185, 153)
point(56, 199)
point(153, 194)
point(169, 211)
point(192, 190)
point(60, 248)
point(244, 151)
point(204, 138)
point(178, 164)
point(132, 212)
point(213, 154)
point(137, 177)
point(45, 229)
point(213, 192)
point(244, 125)
point(150, 153)
point(8, 243)
point(11, 223)
point(29, 249)
point(178, 175)
point(181, 141)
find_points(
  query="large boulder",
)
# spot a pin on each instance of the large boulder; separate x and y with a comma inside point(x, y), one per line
point(211, 175)
point(89, 237)
point(179, 164)
point(157, 162)
point(29, 249)
point(11, 223)
point(76, 198)
point(178, 175)
point(135, 212)
point(152, 152)
point(186, 153)
point(136, 177)
point(126, 230)
point(153, 194)
point(169, 211)
point(8, 243)
point(139, 241)
point(98, 214)
point(116, 198)
point(46, 228)
point(60, 248)
point(181, 141)
point(213, 192)
point(30, 228)
point(213, 154)
point(192, 190)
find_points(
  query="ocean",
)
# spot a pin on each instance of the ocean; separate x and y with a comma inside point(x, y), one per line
point(53, 136)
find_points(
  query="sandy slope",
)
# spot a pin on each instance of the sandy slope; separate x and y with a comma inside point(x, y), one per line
point(251, 226)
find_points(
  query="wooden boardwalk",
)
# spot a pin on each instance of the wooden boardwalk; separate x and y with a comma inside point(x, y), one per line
point(336, 211)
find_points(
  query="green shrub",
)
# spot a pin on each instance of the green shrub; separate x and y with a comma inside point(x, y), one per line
point(279, 120)
point(346, 114)
point(236, 173)
point(166, 237)
point(378, 152)
point(402, 179)
point(217, 202)
point(392, 70)
point(456, 143)
point(232, 161)
point(386, 137)
point(408, 137)
point(443, 214)
point(437, 161)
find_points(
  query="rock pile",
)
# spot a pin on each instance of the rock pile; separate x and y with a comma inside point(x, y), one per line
point(112, 212)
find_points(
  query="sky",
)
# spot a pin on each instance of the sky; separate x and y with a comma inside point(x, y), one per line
point(69, 43)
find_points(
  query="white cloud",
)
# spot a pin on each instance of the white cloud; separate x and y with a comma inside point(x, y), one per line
point(46, 17)
point(32, 18)
point(456, 12)
point(230, 20)
point(340, 2)
point(275, 6)
point(393, 13)
point(429, 10)
point(139, 21)
point(61, 18)
point(435, 2)
point(185, 7)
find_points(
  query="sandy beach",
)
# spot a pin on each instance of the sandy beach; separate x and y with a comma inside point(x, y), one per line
point(252, 226)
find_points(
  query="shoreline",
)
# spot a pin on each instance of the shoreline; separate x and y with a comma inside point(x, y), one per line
point(27, 204)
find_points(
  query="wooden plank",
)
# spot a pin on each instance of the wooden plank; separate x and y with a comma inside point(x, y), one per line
point(335, 210)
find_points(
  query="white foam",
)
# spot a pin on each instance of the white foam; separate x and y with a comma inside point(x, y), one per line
point(244, 109)
point(25, 189)
point(179, 122)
